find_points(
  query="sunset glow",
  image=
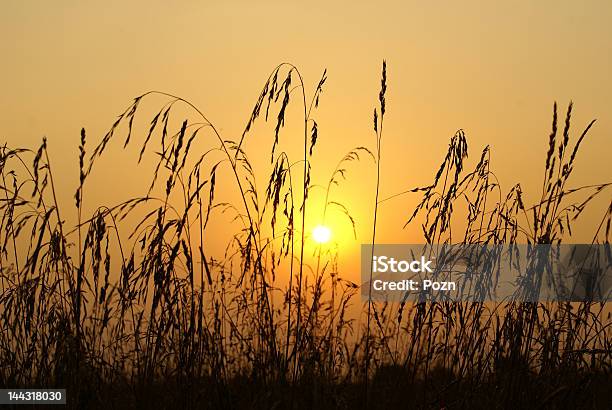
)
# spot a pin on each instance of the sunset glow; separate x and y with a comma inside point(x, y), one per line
point(297, 205)
point(321, 234)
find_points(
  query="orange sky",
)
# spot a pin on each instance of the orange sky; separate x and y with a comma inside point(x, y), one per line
point(492, 69)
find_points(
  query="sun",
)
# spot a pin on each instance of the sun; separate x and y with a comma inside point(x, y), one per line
point(321, 234)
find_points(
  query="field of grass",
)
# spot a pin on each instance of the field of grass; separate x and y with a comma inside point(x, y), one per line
point(128, 308)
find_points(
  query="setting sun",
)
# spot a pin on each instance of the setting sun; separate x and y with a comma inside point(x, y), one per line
point(321, 234)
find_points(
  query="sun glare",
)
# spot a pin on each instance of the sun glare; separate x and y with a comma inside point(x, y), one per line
point(321, 234)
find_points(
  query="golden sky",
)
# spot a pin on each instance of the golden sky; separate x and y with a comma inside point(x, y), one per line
point(491, 68)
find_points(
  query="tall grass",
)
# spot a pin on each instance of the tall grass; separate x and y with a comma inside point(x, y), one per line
point(131, 307)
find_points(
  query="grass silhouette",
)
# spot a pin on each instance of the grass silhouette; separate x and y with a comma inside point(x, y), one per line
point(127, 308)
